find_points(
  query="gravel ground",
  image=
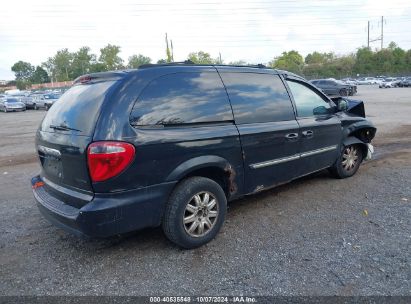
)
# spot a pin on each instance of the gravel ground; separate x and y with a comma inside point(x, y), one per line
point(314, 236)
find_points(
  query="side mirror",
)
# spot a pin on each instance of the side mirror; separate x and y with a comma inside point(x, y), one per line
point(342, 105)
point(321, 110)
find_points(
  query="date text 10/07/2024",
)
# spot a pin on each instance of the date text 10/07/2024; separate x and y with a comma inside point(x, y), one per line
point(234, 299)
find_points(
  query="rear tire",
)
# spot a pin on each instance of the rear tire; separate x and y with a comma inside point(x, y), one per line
point(348, 162)
point(194, 212)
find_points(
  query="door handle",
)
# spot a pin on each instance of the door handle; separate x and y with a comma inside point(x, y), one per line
point(308, 133)
point(291, 136)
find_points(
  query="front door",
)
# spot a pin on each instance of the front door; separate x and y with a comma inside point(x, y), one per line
point(321, 131)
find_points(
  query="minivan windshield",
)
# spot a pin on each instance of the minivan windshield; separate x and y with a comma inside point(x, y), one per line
point(77, 109)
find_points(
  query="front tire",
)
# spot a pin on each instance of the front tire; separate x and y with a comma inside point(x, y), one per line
point(195, 212)
point(343, 92)
point(348, 162)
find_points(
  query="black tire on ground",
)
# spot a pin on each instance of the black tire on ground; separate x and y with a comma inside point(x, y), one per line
point(5, 110)
point(35, 107)
point(348, 162)
point(177, 211)
point(343, 92)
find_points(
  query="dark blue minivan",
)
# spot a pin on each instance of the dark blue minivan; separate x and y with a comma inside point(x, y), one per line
point(168, 145)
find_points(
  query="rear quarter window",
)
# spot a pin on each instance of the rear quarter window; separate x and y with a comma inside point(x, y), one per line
point(181, 98)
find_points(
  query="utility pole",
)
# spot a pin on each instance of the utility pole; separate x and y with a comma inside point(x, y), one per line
point(368, 39)
point(380, 38)
point(382, 32)
point(221, 62)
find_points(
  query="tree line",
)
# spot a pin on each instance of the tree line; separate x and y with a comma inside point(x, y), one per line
point(390, 61)
point(66, 65)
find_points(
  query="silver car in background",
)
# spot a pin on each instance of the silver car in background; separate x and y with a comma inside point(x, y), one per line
point(10, 104)
point(24, 98)
point(50, 99)
point(39, 102)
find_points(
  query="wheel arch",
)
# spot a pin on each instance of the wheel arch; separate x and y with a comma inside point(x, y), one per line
point(352, 140)
point(210, 166)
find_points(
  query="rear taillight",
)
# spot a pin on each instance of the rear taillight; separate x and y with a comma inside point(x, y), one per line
point(107, 159)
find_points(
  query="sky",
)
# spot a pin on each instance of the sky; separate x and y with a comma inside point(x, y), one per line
point(254, 31)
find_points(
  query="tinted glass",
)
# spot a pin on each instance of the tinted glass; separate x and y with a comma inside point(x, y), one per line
point(51, 96)
point(78, 108)
point(11, 100)
point(308, 102)
point(257, 97)
point(182, 98)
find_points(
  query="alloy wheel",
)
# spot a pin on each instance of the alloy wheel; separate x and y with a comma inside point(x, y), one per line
point(200, 214)
point(350, 158)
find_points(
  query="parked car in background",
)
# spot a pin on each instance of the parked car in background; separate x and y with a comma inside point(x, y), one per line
point(24, 98)
point(390, 83)
point(406, 82)
point(50, 99)
point(368, 80)
point(350, 81)
point(11, 104)
point(28, 101)
point(40, 101)
point(169, 145)
point(363, 81)
point(334, 87)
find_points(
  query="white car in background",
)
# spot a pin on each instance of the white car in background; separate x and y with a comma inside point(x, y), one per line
point(350, 81)
point(389, 83)
point(368, 80)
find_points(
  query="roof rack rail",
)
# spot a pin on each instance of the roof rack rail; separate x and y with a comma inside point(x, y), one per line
point(189, 62)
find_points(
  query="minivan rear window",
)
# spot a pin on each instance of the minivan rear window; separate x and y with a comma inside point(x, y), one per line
point(181, 98)
point(77, 109)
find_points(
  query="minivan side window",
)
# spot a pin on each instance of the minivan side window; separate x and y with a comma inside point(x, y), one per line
point(179, 98)
point(258, 98)
point(307, 101)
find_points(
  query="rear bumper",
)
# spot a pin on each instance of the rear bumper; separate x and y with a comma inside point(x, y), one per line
point(107, 213)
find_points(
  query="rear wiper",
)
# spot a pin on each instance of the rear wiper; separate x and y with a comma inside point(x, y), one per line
point(63, 128)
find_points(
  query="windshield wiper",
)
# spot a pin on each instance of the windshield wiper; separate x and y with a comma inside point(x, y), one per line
point(63, 128)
